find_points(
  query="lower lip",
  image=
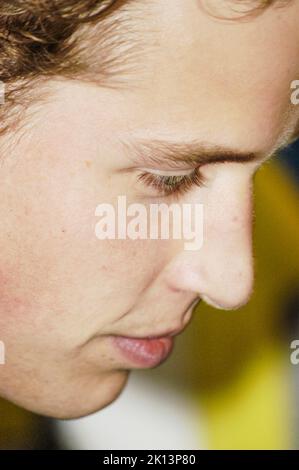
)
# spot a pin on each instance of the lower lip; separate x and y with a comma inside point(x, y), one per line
point(145, 352)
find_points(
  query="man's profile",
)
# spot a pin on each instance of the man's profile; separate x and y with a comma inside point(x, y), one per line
point(161, 101)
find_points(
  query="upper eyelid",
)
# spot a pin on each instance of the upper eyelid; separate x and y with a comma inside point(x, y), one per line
point(191, 169)
point(169, 172)
point(180, 184)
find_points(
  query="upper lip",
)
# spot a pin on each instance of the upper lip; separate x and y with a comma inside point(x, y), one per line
point(166, 333)
point(157, 335)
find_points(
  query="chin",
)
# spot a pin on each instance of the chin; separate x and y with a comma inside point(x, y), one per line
point(105, 394)
point(73, 400)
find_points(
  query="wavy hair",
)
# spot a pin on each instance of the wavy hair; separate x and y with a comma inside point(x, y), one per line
point(47, 38)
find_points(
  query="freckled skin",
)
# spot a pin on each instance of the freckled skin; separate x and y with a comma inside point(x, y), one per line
point(62, 291)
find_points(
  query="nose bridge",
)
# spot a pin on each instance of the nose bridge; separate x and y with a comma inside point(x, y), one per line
point(227, 260)
point(221, 272)
point(227, 273)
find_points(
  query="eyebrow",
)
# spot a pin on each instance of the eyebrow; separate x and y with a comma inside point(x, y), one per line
point(194, 153)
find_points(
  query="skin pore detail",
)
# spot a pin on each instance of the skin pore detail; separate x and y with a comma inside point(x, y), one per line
point(204, 89)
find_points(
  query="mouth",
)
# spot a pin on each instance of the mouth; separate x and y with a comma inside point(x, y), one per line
point(151, 349)
point(144, 352)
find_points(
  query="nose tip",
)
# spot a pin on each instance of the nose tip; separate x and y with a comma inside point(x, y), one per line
point(225, 287)
point(232, 302)
point(231, 292)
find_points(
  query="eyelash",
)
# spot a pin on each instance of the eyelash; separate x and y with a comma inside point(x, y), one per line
point(173, 185)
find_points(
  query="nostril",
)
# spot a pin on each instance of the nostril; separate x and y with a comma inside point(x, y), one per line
point(210, 302)
point(232, 289)
point(228, 304)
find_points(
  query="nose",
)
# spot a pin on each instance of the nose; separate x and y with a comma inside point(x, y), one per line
point(221, 272)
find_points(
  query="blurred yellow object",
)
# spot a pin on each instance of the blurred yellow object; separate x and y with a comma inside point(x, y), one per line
point(254, 412)
point(244, 373)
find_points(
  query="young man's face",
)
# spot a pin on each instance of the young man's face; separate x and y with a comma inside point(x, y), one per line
point(214, 84)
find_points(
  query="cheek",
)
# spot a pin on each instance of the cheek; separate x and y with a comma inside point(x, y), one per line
point(59, 272)
point(12, 303)
point(68, 277)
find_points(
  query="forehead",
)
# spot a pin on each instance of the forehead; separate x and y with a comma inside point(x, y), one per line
point(207, 77)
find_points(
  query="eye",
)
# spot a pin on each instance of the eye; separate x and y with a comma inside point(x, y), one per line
point(167, 185)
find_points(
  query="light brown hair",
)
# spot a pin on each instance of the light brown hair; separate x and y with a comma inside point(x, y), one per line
point(47, 38)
